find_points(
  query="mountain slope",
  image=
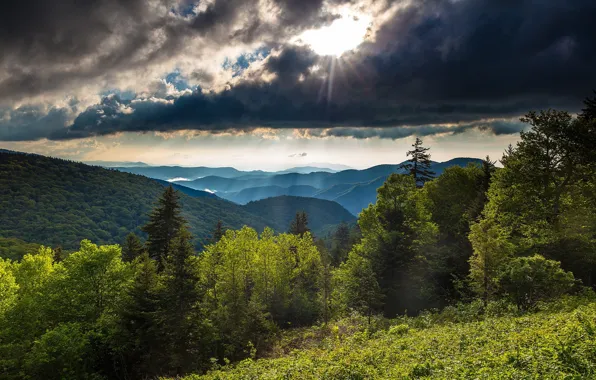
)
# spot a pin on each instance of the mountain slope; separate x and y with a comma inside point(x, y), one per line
point(186, 190)
point(282, 210)
point(359, 196)
point(57, 202)
point(262, 192)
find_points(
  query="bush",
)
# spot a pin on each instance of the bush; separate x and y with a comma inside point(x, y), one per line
point(528, 280)
point(59, 354)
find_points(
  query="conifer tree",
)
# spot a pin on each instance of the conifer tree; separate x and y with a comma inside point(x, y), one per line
point(141, 343)
point(218, 233)
point(589, 113)
point(132, 247)
point(179, 311)
point(164, 224)
point(341, 243)
point(419, 165)
point(488, 168)
point(299, 225)
point(58, 254)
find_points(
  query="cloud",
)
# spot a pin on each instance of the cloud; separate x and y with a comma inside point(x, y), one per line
point(428, 67)
point(298, 155)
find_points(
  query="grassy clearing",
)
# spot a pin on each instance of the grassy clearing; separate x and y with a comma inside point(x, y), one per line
point(543, 345)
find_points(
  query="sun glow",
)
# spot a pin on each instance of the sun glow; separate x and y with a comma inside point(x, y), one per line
point(343, 34)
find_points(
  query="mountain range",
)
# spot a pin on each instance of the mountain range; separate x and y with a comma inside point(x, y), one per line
point(353, 189)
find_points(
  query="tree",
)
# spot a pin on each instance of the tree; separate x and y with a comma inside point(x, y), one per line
point(542, 196)
point(164, 225)
point(455, 199)
point(139, 341)
point(132, 247)
point(58, 254)
point(8, 287)
point(483, 185)
point(299, 225)
point(185, 333)
point(357, 285)
point(397, 239)
point(218, 233)
point(419, 165)
point(492, 250)
point(589, 112)
point(527, 280)
point(341, 243)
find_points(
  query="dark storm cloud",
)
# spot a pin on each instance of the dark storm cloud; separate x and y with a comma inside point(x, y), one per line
point(49, 45)
point(435, 62)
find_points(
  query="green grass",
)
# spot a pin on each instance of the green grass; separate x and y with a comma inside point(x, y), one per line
point(543, 345)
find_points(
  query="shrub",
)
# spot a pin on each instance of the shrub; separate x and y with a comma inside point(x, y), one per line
point(528, 280)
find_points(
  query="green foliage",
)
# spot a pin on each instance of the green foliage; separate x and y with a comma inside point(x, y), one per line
point(60, 353)
point(15, 249)
point(492, 250)
point(137, 338)
point(299, 225)
point(57, 202)
point(397, 243)
point(132, 247)
point(255, 285)
point(8, 287)
point(455, 200)
point(528, 280)
point(184, 331)
point(164, 225)
point(544, 345)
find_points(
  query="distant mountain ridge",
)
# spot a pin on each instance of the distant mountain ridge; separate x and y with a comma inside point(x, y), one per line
point(354, 189)
point(282, 210)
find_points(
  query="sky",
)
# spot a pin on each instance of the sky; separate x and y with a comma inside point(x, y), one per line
point(271, 84)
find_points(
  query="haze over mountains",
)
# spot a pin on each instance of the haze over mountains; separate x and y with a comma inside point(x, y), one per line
point(353, 189)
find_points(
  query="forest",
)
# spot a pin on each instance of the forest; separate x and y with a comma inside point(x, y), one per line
point(485, 271)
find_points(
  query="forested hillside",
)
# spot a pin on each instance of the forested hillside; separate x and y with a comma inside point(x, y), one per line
point(282, 210)
point(59, 203)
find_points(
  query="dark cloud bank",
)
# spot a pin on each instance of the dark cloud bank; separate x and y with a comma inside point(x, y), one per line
point(435, 62)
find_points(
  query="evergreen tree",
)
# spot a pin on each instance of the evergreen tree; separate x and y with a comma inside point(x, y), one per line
point(132, 247)
point(58, 254)
point(419, 165)
point(341, 243)
point(140, 343)
point(164, 224)
point(589, 113)
point(299, 225)
point(488, 168)
point(184, 330)
point(218, 233)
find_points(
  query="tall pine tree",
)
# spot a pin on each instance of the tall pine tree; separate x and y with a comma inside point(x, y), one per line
point(589, 113)
point(185, 331)
point(164, 224)
point(419, 165)
point(140, 343)
point(132, 247)
point(299, 225)
point(218, 233)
